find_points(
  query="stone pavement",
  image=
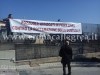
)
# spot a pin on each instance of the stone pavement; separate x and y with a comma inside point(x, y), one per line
point(9, 73)
point(58, 71)
point(55, 68)
point(78, 68)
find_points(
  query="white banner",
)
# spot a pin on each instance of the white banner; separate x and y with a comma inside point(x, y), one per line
point(36, 26)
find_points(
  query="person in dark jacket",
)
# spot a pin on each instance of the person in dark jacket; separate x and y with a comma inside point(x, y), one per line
point(66, 54)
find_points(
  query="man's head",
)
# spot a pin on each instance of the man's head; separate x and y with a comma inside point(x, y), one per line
point(66, 42)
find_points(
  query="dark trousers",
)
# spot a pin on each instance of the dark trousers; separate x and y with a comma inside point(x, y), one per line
point(64, 68)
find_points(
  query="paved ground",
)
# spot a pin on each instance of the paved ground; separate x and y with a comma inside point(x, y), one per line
point(75, 71)
point(53, 69)
point(9, 73)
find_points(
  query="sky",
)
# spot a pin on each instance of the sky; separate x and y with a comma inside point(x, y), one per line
point(82, 11)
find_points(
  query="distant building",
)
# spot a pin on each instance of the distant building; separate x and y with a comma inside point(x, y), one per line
point(2, 25)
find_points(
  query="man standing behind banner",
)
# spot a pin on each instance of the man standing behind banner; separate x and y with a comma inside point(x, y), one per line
point(66, 54)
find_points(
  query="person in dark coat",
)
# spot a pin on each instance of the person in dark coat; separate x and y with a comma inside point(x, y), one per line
point(66, 54)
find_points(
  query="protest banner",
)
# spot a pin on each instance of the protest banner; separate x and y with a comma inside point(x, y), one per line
point(37, 26)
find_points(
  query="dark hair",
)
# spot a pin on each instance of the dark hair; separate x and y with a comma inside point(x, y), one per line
point(65, 42)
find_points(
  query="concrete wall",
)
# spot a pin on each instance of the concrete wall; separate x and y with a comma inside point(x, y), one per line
point(7, 46)
point(34, 51)
point(31, 51)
